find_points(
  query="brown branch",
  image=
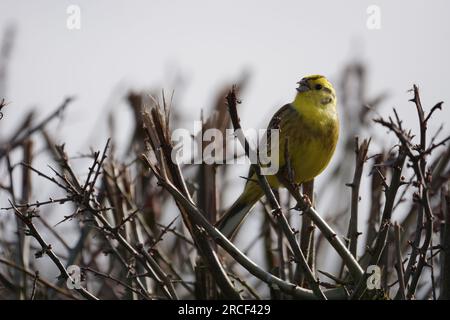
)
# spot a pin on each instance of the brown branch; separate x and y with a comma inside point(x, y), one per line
point(40, 279)
point(157, 130)
point(360, 159)
point(391, 191)
point(222, 241)
point(422, 197)
point(445, 251)
point(399, 264)
point(33, 289)
point(47, 249)
point(351, 263)
point(117, 281)
point(21, 139)
point(377, 184)
point(307, 229)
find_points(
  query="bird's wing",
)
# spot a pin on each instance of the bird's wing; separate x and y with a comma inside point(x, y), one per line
point(280, 115)
point(278, 120)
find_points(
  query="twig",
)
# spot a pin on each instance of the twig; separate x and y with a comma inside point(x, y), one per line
point(390, 192)
point(221, 240)
point(247, 286)
point(377, 184)
point(422, 197)
point(119, 282)
point(360, 159)
point(39, 279)
point(355, 269)
point(35, 281)
point(399, 264)
point(20, 140)
point(157, 128)
point(307, 229)
point(334, 278)
point(47, 249)
point(445, 252)
point(37, 204)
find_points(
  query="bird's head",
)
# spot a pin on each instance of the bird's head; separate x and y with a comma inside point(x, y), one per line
point(318, 89)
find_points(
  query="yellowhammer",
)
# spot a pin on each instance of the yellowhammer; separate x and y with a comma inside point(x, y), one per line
point(311, 126)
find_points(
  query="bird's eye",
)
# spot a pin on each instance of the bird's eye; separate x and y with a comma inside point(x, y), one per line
point(318, 87)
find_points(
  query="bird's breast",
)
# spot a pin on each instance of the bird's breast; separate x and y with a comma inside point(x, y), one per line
point(311, 146)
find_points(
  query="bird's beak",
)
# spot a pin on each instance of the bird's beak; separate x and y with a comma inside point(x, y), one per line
point(303, 86)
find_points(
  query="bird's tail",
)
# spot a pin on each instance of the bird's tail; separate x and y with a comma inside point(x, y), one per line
point(230, 222)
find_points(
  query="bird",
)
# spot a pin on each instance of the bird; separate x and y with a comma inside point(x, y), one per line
point(309, 127)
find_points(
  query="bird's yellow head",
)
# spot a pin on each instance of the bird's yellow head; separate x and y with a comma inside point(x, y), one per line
point(317, 91)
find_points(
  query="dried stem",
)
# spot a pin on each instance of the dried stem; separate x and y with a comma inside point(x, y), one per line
point(47, 249)
point(399, 264)
point(360, 159)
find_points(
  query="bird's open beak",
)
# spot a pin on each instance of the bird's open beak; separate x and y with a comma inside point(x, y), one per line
point(303, 86)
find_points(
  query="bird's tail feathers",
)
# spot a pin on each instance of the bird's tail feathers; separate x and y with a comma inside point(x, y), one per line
point(230, 222)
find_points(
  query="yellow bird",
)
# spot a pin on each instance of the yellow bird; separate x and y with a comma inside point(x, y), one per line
point(311, 125)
